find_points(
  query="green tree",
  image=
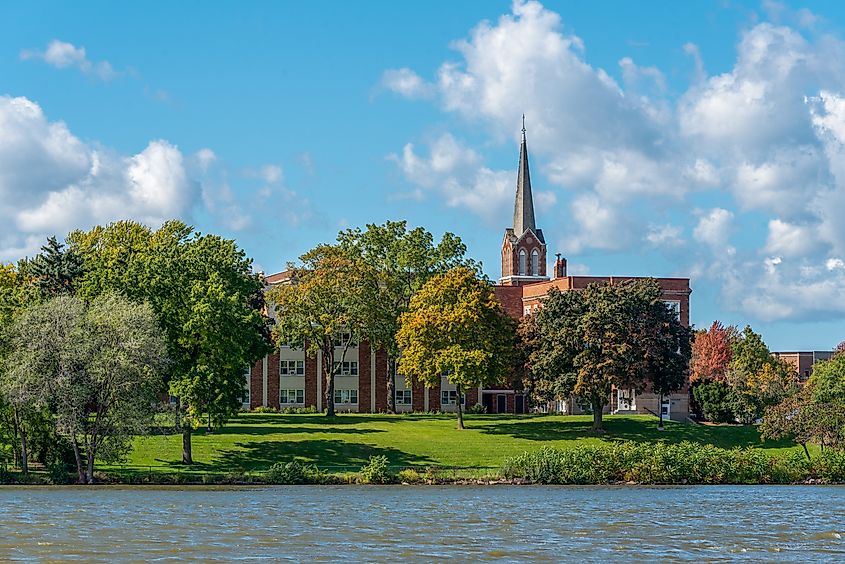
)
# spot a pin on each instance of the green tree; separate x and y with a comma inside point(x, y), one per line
point(828, 381)
point(326, 307)
point(621, 335)
point(805, 420)
point(97, 368)
point(551, 340)
point(757, 379)
point(456, 327)
point(55, 270)
point(714, 398)
point(666, 349)
point(403, 260)
point(207, 301)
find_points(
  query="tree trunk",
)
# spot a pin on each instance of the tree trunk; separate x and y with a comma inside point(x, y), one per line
point(20, 429)
point(80, 468)
point(807, 452)
point(391, 385)
point(90, 470)
point(24, 452)
point(187, 456)
point(328, 369)
point(208, 427)
point(660, 409)
point(458, 405)
point(598, 412)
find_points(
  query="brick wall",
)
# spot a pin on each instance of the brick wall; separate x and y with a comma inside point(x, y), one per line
point(256, 384)
point(364, 373)
point(418, 397)
point(311, 381)
point(273, 380)
point(381, 381)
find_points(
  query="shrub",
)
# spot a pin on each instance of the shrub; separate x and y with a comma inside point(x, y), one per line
point(57, 473)
point(5, 475)
point(477, 409)
point(299, 410)
point(376, 471)
point(295, 472)
point(829, 466)
point(659, 463)
point(409, 476)
point(715, 399)
point(264, 409)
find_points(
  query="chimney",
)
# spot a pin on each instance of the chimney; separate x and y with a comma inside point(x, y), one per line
point(560, 266)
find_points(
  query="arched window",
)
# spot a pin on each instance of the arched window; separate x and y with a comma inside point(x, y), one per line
point(535, 263)
point(522, 257)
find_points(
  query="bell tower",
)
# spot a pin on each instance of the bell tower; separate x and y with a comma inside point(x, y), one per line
point(523, 247)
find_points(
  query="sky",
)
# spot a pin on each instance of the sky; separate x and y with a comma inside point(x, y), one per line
point(691, 139)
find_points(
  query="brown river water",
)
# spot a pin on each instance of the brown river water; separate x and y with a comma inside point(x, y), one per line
point(423, 524)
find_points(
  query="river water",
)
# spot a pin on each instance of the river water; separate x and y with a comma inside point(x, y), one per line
point(421, 524)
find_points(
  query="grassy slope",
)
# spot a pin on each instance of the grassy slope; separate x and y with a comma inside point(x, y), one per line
point(256, 441)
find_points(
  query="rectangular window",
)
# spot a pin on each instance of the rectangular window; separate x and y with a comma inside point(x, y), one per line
point(403, 397)
point(247, 385)
point(291, 396)
point(675, 306)
point(348, 368)
point(346, 396)
point(292, 367)
point(450, 397)
point(340, 339)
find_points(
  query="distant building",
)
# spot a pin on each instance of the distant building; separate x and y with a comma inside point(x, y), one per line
point(524, 284)
point(803, 362)
point(287, 378)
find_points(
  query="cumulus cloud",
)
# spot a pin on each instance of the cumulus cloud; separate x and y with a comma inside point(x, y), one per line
point(762, 143)
point(407, 83)
point(52, 182)
point(61, 55)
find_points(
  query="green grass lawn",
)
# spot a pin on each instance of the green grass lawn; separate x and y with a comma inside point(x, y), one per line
point(253, 442)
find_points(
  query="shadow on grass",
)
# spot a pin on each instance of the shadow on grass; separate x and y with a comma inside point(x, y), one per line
point(620, 428)
point(335, 455)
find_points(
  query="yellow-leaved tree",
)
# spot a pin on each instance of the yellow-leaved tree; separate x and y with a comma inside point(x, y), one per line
point(456, 327)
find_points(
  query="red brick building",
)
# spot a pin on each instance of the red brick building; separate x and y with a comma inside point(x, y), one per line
point(287, 378)
point(524, 284)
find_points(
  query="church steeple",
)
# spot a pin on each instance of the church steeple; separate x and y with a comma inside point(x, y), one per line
point(523, 248)
point(523, 208)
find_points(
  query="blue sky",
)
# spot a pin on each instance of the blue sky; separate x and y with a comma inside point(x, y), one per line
point(699, 139)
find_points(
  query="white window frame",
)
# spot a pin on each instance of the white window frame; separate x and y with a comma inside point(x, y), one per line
point(523, 259)
point(285, 367)
point(451, 397)
point(346, 396)
point(404, 397)
point(348, 368)
point(297, 394)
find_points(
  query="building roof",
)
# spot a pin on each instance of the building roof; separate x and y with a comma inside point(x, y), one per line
point(523, 208)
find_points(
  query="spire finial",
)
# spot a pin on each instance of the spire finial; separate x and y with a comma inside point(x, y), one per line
point(523, 125)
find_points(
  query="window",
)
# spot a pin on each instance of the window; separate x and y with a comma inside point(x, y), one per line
point(291, 396)
point(522, 258)
point(292, 367)
point(341, 338)
point(535, 263)
point(403, 397)
point(450, 397)
point(675, 306)
point(349, 368)
point(247, 384)
point(346, 396)
point(527, 310)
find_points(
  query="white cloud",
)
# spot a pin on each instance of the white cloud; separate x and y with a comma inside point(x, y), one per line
point(61, 55)
point(665, 236)
point(51, 182)
point(407, 83)
point(714, 228)
point(761, 146)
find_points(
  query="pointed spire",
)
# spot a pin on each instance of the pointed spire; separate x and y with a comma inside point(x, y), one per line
point(523, 209)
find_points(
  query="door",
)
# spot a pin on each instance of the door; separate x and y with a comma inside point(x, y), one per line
point(666, 408)
point(501, 403)
point(519, 404)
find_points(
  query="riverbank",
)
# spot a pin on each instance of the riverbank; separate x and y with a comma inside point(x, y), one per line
point(414, 448)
